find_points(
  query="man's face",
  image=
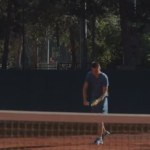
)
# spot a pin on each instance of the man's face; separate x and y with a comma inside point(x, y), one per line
point(96, 70)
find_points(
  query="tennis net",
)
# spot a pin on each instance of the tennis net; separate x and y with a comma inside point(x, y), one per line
point(72, 131)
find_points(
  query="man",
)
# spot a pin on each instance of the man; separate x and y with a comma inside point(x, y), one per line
point(95, 86)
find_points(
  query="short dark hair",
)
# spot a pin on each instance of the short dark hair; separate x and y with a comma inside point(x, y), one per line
point(95, 64)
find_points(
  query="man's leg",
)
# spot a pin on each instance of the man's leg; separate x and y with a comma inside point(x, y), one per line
point(105, 111)
point(101, 129)
point(99, 139)
point(102, 132)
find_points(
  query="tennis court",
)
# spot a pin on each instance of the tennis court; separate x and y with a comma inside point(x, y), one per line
point(72, 131)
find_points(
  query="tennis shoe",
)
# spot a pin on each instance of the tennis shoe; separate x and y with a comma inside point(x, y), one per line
point(98, 141)
point(105, 134)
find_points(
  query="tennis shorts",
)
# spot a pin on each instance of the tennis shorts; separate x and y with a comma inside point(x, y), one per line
point(102, 107)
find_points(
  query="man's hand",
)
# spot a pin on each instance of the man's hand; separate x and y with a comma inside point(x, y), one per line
point(86, 103)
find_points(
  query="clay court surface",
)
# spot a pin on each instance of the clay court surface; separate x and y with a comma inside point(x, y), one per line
point(111, 142)
point(65, 131)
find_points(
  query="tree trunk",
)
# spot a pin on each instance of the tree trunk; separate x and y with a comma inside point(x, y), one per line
point(73, 47)
point(124, 31)
point(57, 35)
point(83, 36)
point(23, 59)
point(130, 37)
point(93, 36)
point(7, 36)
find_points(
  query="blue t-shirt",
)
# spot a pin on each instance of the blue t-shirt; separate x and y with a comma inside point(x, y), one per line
point(96, 84)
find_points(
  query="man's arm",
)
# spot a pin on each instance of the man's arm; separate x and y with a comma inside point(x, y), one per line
point(85, 95)
point(104, 91)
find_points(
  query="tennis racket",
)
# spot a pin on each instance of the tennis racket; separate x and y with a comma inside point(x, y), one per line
point(98, 100)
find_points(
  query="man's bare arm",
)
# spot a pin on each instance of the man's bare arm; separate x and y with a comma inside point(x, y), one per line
point(85, 95)
point(104, 91)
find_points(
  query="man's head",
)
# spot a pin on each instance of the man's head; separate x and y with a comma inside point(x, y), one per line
point(95, 67)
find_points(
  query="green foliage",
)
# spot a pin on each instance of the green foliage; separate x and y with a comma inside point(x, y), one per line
point(53, 19)
point(107, 40)
point(146, 46)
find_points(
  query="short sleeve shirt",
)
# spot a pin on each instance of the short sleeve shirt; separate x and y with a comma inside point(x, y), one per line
point(96, 84)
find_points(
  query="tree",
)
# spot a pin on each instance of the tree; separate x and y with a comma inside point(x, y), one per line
point(7, 35)
point(134, 19)
point(87, 28)
point(104, 32)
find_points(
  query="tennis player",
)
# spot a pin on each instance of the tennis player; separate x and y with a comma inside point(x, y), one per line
point(95, 85)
